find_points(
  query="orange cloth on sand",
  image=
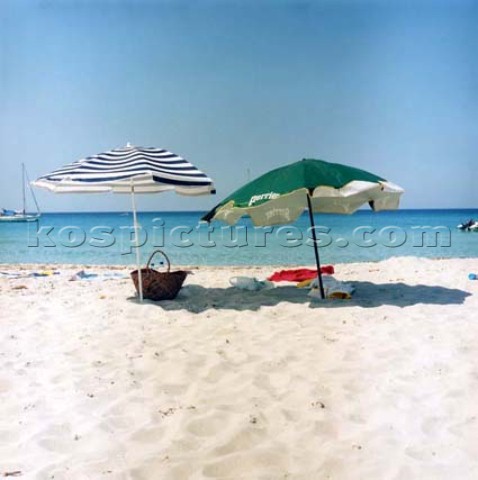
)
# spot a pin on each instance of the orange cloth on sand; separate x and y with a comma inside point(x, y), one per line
point(299, 274)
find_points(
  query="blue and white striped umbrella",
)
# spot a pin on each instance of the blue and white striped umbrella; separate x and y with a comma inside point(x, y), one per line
point(129, 170)
point(148, 170)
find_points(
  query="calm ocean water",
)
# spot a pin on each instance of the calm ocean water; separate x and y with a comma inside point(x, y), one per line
point(105, 238)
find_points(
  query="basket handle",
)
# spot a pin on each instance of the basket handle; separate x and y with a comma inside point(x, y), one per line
point(163, 254)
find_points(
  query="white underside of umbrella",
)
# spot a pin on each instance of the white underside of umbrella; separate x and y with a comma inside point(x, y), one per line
point(287, 208)
point(143, 184)
point(348, 199)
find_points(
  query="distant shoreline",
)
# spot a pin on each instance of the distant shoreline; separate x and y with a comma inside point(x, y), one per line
point(75, 266)
point(201, 212)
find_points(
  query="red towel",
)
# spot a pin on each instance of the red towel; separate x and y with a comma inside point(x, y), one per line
point(299, 274)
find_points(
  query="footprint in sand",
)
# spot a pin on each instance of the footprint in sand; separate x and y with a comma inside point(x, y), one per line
point(420, 454)
point(208, 425)
point(115, 424)
point(174, 389)
point(163, 464)
point(244, 439)
point(249, 464)
point(55, 438)
point(55, 444)
point(262, 382)
point(217, 372)
point(148, 435)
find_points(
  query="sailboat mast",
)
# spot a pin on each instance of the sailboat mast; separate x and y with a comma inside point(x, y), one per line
point(23, 188)
point(31, 191)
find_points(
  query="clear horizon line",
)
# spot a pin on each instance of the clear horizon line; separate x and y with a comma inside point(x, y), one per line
point(203, 211)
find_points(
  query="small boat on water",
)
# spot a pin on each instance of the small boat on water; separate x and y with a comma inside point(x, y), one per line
point(21, 215)
point(469, 226)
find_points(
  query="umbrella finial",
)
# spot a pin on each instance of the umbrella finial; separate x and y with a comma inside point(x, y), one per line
point(128, 145)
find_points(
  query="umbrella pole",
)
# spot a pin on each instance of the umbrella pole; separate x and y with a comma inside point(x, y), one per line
point(316, 249)
point(136, 238)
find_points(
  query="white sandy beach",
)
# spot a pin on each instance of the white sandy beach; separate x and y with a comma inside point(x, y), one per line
point(229, 384)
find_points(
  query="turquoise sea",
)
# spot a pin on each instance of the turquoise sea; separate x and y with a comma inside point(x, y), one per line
point(106, 238)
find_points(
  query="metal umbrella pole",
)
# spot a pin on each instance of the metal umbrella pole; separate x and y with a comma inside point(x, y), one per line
point(136, 238)
point(316, 249)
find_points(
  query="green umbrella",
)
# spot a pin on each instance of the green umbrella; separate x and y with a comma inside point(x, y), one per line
point(281, 196)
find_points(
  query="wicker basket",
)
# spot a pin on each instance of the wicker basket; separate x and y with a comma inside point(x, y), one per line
point(159, 285)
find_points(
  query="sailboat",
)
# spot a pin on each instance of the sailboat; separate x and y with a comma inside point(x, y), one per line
point(21, 215)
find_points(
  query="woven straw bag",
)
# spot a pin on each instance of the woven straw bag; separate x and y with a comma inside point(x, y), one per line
point(159, 285)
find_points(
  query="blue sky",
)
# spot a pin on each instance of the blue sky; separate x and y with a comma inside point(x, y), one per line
point(388, 86)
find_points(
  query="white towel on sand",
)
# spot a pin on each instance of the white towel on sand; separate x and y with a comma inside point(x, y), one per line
point(333, 288)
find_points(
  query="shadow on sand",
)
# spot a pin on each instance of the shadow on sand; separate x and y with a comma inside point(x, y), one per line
point(371, 295)
point(197, 299)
